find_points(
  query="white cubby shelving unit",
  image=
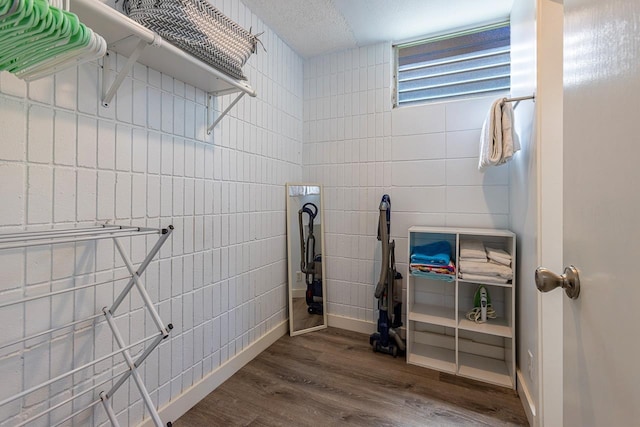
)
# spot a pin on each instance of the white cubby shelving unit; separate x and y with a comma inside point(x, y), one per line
point(439, 336)
point(140, 44)
point(90, 385)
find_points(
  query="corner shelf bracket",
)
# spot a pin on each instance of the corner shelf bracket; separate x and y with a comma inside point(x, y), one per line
point(224, 113)
point(109, 92)
point(130, 39)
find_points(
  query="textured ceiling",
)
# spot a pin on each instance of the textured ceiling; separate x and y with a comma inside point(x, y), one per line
point(316, 27)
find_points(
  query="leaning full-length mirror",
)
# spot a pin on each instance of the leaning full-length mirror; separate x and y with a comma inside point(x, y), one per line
point(305, 246)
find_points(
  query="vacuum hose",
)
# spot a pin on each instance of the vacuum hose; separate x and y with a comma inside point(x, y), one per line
point(308, 248)
point(383, 235)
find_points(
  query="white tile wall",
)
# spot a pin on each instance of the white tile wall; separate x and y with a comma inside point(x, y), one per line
point(424, 157)
point(220, 279)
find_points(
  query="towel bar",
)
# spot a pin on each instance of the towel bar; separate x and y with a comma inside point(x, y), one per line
point(518, 99)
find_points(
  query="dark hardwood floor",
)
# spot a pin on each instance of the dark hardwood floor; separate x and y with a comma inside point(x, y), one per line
point(332, 377)
point(301, 317)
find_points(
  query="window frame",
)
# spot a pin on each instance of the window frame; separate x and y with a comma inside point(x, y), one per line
point(439, 37)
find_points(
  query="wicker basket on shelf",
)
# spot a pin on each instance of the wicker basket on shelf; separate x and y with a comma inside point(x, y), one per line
point(198, 28)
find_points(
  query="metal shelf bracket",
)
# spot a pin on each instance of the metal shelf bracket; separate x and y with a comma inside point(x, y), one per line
point(109, 92)
point(224, 113)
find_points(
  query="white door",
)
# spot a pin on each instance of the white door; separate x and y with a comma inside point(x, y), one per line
point(601, 229)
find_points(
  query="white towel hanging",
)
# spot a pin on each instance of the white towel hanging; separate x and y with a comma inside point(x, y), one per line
point(510, 141)
point(491, 139)
point(498, 140)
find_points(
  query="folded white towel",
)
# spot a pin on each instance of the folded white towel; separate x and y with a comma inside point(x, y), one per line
point(481, 278)
point(486, 268)
point(498, 252)
point(472, 250)
point(491, 137)
point(500, 260)
point(500, 256)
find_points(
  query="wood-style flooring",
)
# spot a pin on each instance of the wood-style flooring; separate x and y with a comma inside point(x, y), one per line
point(332, 377)
point(301, 317)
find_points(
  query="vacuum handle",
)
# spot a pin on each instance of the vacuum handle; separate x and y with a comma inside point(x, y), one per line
point(308, 251)
point(310, 209)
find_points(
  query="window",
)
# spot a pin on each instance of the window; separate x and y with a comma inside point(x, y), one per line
point(455, 65)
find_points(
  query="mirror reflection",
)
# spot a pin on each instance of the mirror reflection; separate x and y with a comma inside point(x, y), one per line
point(305, 245)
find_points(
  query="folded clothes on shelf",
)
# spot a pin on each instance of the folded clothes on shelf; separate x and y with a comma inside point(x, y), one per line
point(484, 279)
point(439, 269)
point(433, 276)
point(472, 250)
point(436, 253)
point(486, 269)
point(500, 256)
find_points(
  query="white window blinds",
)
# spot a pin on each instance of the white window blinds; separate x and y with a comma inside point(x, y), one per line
point(457, 65)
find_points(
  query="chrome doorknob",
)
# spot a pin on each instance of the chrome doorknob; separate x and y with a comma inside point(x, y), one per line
point(547, 280)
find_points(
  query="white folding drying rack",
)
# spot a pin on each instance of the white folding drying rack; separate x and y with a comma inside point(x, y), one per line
point(28, 239)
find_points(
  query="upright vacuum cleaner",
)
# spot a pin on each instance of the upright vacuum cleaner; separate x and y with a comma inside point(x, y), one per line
point(388, 291)
point(310, 262)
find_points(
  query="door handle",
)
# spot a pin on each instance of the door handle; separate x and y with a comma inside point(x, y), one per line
point(547, 280)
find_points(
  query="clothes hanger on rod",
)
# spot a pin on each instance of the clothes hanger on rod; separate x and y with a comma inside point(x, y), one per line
point(39, 38)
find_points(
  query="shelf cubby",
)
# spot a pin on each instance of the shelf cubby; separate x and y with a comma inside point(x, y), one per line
point(499, 326)
point(485, 369)
point(434, 314)
point(434, 351)
point(439, 335)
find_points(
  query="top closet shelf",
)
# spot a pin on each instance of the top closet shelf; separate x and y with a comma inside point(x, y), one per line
point(124, 36)
point(463, 231)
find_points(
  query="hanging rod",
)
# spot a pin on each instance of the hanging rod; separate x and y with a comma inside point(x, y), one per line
point(61, 230)
point(57, 328)
point(61, 291)
point(72, 235)
point(71, 399)
point(78, 412)
point(76, 370)
point(50, 331)
point(22, 236)
point(519, 98)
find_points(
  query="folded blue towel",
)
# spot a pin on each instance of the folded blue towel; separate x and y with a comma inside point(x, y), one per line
point(434, 276)
point(436, 253)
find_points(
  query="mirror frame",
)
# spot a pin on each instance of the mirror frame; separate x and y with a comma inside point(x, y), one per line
point(290, 269)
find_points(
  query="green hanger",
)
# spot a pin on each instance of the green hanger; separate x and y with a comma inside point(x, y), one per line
point(57, 29)
point(32, 24)
point(95, 49)
point(53, 25)
point(78, 39)
point(8, 7)
point(24, 12)
point(33, 32)
point(24, 33)
point(23, 8)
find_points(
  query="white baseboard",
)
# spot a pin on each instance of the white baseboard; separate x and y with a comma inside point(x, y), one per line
point(527, 402)
point(194, 394)
point(351, 324)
